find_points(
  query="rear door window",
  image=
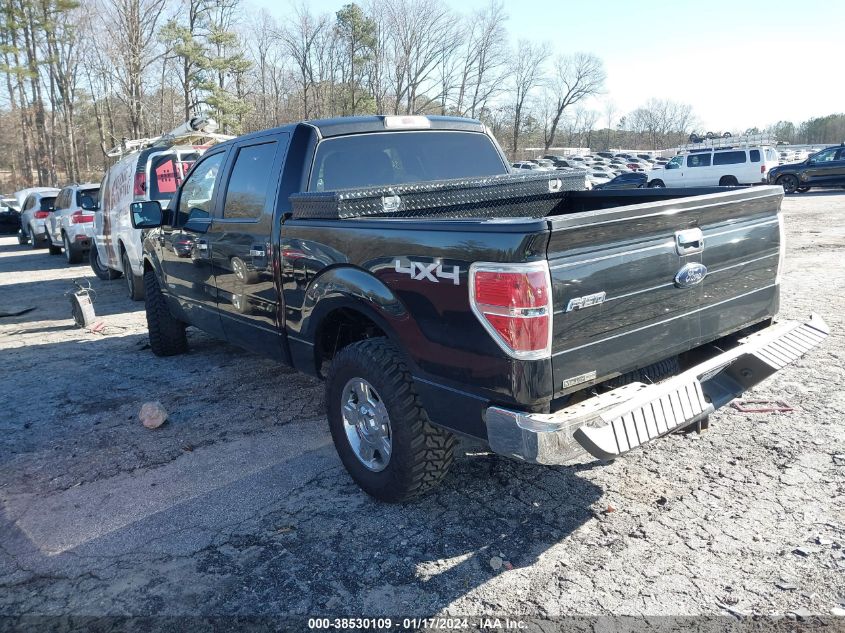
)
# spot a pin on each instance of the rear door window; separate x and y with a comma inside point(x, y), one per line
point(730, 158)
point(698, 160)
point(393, 158)
point(249, 184)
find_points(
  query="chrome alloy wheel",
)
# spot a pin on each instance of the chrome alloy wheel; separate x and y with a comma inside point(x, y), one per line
point(367, 424)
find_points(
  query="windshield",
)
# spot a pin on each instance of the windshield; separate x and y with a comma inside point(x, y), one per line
point(394, 158)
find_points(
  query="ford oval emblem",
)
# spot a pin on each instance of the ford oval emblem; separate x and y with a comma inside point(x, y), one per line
point(690, 275)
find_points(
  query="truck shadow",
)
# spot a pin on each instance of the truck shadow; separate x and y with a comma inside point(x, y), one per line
point(258, 516)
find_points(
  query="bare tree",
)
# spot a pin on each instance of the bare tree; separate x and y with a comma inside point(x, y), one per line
point(577, 77)
point(301, 38)
point(485, 59)
point(134, 25)
point(662, 121)
point(525, 71)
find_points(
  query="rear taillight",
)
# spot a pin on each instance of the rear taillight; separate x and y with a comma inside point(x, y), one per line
point(514, 304)
point(762, 169)
point(140, 184)
point(40, 215)
point(77, 217)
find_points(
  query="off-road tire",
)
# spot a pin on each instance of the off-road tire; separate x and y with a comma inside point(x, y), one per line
point(103, 272)
point(134, 283)
point(167, 333)
point(421, 453)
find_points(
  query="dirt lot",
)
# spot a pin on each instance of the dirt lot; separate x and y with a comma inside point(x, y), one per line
point(238, 505)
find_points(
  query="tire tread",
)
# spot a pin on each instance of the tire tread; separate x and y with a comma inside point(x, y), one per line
point(167, 334)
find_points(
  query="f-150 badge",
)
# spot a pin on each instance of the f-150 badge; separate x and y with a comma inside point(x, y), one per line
point(586, 301)
point(433, 271)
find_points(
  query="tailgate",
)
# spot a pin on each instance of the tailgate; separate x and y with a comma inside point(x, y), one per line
point(628, 287)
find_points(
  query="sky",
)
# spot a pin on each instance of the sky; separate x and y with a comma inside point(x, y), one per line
point(739, 64)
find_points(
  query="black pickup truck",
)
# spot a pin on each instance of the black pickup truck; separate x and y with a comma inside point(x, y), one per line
point(440, 295)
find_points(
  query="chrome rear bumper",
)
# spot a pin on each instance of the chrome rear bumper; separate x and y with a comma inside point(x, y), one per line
point(613, 423)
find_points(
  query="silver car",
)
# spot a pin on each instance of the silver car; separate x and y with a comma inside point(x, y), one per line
point(36, 208)
point(71, 225)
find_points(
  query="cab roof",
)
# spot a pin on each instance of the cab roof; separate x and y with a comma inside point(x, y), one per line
point(342, 126)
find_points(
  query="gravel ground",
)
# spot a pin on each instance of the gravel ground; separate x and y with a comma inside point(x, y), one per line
point(239, 505)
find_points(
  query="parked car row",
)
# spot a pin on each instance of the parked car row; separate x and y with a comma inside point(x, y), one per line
point(601, 168)
point(61, 220)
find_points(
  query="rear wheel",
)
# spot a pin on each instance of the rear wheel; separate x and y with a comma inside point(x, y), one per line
point(34, 241)
point(167, 333)
point(788, 182)
point(379, 427)
point(134, 283)
point(728, 181)
point(103, 272)
point(656, 184)
point(72, 254)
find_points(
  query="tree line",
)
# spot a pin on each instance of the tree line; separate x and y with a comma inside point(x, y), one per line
point(81, 75)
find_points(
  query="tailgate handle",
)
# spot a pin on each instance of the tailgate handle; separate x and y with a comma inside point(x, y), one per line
point(689, 241)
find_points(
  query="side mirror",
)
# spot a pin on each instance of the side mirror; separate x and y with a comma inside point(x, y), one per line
point(198, 221)
point(146, 214)
point(87, 203)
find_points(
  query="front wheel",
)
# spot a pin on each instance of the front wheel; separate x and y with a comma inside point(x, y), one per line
point(167, 333)
point(379, 427)
point(789, 183)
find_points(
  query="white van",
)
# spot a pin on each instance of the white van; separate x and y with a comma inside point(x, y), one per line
point(152, 172)
point(716, 167)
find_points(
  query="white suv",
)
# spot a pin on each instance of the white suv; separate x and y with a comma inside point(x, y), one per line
point(719, 167)
point(71, 224)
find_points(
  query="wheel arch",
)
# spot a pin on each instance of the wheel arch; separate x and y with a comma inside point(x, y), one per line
point(342, 305)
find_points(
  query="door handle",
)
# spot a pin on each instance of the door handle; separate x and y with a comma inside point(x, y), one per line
point(689, 241)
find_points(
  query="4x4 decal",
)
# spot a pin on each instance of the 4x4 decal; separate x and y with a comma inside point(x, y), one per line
point(433, 271)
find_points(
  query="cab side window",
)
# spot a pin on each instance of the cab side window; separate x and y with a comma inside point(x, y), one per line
point(198, 189)
point(698, 160)
point(825, 156)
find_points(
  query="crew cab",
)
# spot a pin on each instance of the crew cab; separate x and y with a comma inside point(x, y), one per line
point(444, 298)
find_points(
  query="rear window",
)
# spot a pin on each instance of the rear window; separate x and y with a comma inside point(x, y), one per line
point(166, 173)
point(755, 155)
point(393, 158)
point(729, 158)
point(94, 194)
point(48, 204)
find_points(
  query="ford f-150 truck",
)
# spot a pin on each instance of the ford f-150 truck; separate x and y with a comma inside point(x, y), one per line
point(440, 295)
